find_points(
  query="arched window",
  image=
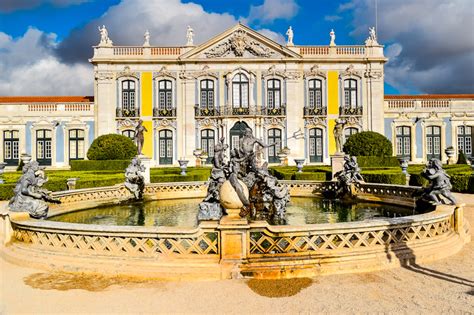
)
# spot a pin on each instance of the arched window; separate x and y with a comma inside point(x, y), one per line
point(76, 144)
point(236, 133)
point(129, 133)
point(207, 143)
point(43, 146)
point(11, 147)
point(315, 94)
point(273, 93)
point(403, 141)
point(165, 146)
point(349, 132)
point(128, 98)
point(165, 95)
point(315, 145)
point(207, 94)
point(274, 136)
point(433, 142)
point(465, 140)
point(350, 93)
point(240, 91)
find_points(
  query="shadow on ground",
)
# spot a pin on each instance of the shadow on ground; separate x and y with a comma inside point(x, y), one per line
point(279, 287)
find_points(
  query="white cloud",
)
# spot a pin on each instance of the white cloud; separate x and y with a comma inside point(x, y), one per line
point(332, 18)
point(272, 10)
point(277, 37)
point(29, 67)
point(434, 38)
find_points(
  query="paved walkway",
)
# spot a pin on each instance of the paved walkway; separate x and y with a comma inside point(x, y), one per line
point(445, 286)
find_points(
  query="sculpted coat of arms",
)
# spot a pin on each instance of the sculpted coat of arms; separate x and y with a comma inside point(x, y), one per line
point(238, 43)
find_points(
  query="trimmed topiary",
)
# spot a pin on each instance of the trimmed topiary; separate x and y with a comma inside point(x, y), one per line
point(461, 158)
point(368, 143)
point(112, 147)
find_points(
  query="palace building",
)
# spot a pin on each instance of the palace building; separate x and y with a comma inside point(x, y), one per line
point(190, 96)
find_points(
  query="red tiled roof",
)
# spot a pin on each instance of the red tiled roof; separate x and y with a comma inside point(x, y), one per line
point(46, 99)
point(429, 96)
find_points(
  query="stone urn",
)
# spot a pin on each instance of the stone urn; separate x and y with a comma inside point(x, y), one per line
point(299, 164)
point(230, 200)
point(204, 156)
point(2, 170)
point(71, 183)
point(450, 154)
point(183, 165)
point(25, 158)
point(403, 164)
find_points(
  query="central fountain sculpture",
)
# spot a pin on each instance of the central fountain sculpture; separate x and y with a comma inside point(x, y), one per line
point(439, 190)
point(134, 179)
point(266, 199)
point(29, 194)
point(348, 177)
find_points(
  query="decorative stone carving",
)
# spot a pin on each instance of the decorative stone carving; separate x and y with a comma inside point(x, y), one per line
point(189, 36)
point(339, 134)
point(349, 176)
point(128, 73)
point(315, 121)
point(237, 44)
point(350, 72)
point(191, 75)
point(104, 76)
point(166, 123)
point(353, 121)
point(290, 34)
point(313, 72)
point(104, 37)
point(29, 196)
point(208, 122)
point(134, 179)
point(127, 123)
point(274, 121)
point(373, 74)
point(164, 72)
point(440, 184)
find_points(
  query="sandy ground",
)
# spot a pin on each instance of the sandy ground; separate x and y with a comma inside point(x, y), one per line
point(445, 286)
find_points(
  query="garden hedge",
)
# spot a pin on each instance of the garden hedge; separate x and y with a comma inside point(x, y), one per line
point(368, 143)
point(112, 147)
point(99, 165)
point(378, 161)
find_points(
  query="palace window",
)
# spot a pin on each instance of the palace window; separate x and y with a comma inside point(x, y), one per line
point(165, 139)
point(207, 143)
point(433, 142)
point(43, 146)
point(11, 147)
point(315, 145)
point(465, 140)
point(349, 132)
point(403, 141)
point(76, 144)
point(128, 96)
point(165, 95)
point(240, 91)
point(350, 93)
point(273, 93)
point(207, 94)
point(129, 133)
point(315, 94)
point(274, 136)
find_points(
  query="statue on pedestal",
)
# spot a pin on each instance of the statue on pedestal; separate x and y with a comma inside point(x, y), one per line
point(339, 134)
point(104, 37)
point(332, 35)
point(139, 137)
point(147, 39)
point(372, 39)
point(29, 196)
point(189, 36)
point(289, 33)
point(134, 179)
point(440, 184)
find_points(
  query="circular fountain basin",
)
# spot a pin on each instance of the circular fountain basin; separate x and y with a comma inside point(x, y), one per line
point(152, 241)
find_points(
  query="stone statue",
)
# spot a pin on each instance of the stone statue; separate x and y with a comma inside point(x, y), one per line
point(347, 177)
point(104, 37)
point(147, 38)
point(339, 134)
point(139, 137)
point(189, 36)
point(29, 196)
point(440, 184)
point(332, 35)
point(267, 199)
point(372, 39)
point(289, 33)
point(134, 179)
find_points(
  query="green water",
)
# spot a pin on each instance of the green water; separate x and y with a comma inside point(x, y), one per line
point(183, 213)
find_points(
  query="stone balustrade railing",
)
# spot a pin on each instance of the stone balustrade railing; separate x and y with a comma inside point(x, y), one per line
point(57, 107)
point(423, 105)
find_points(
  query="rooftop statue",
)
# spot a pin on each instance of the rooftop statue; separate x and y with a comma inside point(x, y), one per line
point(29, 196)
point(290, 34)
point(332, 35)
point(189, 36)
point(349, 176)
point(134, 179)
point(139, 137)
point(104, 37)
point(440, 184)
point(147, 38)
point(372, 39)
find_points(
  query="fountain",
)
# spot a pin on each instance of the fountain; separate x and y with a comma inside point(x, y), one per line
point(134, 179)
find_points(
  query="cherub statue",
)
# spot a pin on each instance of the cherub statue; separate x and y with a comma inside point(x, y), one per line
point(440, 184)
point(134, 179)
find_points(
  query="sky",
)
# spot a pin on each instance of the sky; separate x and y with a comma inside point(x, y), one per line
point(45, 44)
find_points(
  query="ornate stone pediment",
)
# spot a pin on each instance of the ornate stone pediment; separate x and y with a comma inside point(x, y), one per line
point(351, 72)
point(164, 72)
point(314, 71)
point(128, 73)
point(164, 123)
point(196, 74)
point(315, 121)
point(240, 42)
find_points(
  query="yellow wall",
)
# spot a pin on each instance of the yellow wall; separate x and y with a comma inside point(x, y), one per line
point(146, 81)
point(333, 107)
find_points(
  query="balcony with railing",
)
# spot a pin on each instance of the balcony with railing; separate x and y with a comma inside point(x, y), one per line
point(164, 112)
point(230, 111)
point(350, 111)
point(316, 111)
point(127, 113)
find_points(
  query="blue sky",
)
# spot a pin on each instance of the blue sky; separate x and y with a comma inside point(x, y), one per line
point(47, 38)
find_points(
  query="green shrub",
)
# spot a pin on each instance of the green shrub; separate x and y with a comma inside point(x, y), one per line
point(368, 143)
point(378, 161)
point(112, 147)
point(461, 158)
point(384, 177)
point(6, 191)
point(99, 165)
point(316, 176)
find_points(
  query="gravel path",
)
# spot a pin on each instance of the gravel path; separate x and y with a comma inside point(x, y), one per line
point(444, 286)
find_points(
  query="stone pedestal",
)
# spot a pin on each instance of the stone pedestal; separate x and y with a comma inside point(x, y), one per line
point(337, 163)
point(146, 161)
